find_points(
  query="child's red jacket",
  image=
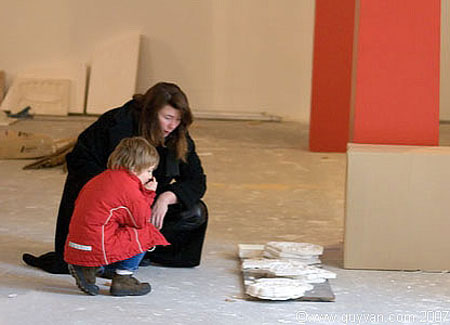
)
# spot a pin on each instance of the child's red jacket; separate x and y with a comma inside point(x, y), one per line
point(111, 221)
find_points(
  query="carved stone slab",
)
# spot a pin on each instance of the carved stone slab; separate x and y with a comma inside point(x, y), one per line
point(293, 249)
point(308, 259)
point(44, 96)
point(287, 267)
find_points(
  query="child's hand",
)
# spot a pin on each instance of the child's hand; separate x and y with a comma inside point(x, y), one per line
point(151, 185)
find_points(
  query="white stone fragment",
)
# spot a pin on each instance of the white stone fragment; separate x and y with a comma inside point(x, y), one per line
point(250, 251)
point(308, 259)
point(258, 264)
point(289, 249)
point(278, 288)
point(287, 268)
point(293, 268)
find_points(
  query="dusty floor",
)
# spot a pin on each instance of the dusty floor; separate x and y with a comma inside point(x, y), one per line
point(263, 185)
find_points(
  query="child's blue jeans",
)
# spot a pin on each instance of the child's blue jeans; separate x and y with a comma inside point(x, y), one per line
point(130, 264)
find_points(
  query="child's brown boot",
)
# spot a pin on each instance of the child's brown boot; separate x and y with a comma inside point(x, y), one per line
point(126, 285)
point(85, 278)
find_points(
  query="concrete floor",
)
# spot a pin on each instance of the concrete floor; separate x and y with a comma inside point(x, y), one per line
point(263, 185)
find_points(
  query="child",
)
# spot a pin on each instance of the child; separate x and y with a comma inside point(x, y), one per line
point(111, 223)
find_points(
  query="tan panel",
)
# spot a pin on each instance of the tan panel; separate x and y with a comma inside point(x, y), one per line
point(113, 74)
point(397, 208)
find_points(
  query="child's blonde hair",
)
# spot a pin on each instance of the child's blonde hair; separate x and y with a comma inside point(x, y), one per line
point(134, 154)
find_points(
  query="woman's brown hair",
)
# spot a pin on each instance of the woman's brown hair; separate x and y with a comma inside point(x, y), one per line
point(149, 104)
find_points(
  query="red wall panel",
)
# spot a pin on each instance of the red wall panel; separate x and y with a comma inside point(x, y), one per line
point(397, 83)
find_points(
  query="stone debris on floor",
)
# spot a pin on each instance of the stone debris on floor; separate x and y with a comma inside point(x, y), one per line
point(284, 270)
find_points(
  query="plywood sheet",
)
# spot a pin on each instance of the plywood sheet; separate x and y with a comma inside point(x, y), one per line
point(113, 74)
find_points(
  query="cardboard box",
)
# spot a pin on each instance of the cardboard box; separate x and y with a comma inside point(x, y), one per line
point(397, 208)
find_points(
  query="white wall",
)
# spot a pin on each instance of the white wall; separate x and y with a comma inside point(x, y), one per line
point(229, 55)
point(32, 33)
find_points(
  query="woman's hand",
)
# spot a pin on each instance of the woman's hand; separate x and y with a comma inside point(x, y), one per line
point(160, 207)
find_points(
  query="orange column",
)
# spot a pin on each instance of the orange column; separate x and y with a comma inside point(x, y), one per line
point(397, 76)
point(388, 93)
point(332, 73)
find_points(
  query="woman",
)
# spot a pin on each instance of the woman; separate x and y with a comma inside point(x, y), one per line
point(162, 115)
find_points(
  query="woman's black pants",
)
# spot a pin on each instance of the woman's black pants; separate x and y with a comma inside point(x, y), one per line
point(185, 230)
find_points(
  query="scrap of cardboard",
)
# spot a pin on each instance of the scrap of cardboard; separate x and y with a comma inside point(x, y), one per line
point(23, 145)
